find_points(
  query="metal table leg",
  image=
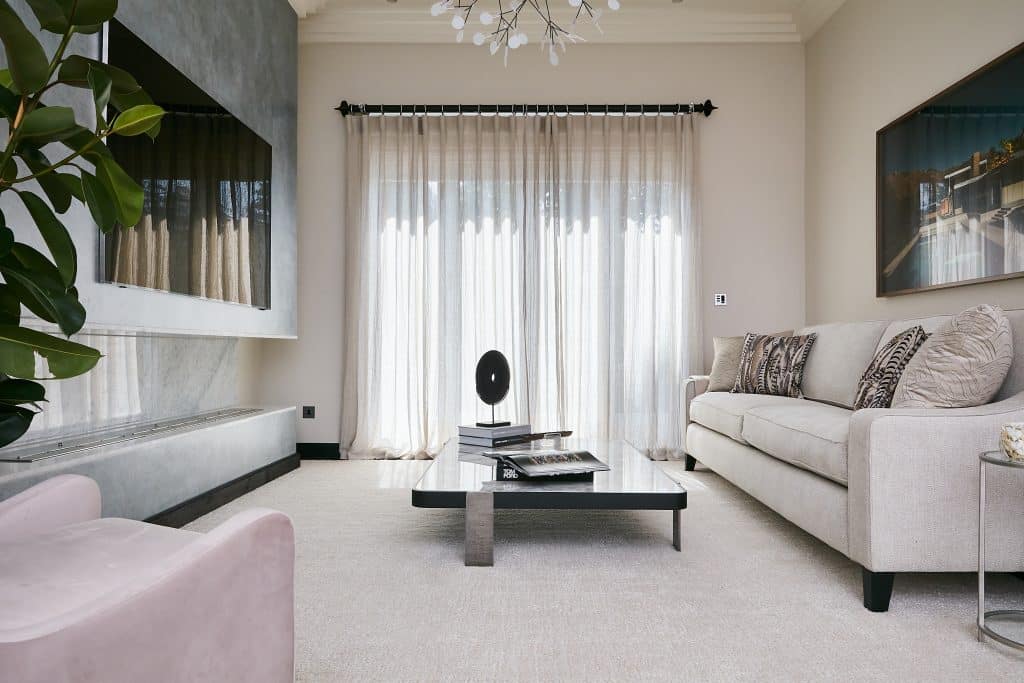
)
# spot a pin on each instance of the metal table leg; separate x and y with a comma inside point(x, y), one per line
point(981, 551)
point(479, 529)
point(677, 541)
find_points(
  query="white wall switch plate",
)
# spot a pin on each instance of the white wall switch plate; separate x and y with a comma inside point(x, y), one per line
point(720, 300)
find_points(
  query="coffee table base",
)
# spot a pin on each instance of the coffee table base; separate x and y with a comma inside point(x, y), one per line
point(480, 529)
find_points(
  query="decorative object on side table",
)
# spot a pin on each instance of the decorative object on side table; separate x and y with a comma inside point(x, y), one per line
point(1011, 438)
point(989, 622)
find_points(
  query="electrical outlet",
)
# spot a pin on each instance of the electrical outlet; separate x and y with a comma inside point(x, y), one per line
point(308, 412)
point(720, 300)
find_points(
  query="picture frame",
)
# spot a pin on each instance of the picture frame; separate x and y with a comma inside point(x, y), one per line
point(950, 185)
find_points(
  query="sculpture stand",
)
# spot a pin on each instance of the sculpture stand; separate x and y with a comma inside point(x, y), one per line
point(492, 424)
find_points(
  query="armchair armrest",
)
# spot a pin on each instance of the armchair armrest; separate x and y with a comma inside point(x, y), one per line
point(56, 502)
point(221, 608)
point(913, 488)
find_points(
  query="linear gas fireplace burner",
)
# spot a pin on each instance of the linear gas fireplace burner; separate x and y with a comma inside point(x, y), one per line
point(53, 448)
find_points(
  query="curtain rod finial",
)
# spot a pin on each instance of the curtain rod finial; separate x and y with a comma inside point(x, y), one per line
point(344, 108)
point(708, 108)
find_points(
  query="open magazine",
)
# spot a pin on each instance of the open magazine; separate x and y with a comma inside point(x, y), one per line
point(549, 462)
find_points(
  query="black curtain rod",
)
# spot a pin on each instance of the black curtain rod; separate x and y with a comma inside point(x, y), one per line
point(346, 109)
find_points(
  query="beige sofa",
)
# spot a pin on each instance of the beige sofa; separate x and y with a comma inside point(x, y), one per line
point(894, 490)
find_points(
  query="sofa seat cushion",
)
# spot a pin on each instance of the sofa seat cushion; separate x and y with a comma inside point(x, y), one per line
point(723, 411)
point(51, 575)
point(811, 436)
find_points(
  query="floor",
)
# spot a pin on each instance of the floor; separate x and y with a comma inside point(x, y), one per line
point(382, 593)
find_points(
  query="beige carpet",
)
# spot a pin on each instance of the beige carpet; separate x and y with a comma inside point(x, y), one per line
point(382, 594)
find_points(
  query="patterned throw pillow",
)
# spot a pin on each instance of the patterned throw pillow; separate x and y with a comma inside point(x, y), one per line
point(962, 364)
point(773, 365)
point(878, 383)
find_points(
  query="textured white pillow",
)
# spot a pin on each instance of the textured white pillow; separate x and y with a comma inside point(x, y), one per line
point(961, 365)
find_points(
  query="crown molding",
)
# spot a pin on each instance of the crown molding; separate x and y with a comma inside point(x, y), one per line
point(646, 21)
point(812, 15)
point(305, 8)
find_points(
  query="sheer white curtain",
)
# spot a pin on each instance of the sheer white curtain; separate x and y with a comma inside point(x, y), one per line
point(571, 244)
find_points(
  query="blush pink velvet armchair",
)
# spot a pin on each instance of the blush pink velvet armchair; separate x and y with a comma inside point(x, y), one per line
point(109, 600)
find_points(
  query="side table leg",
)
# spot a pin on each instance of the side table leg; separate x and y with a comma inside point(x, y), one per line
point(981, 551)
point(677, 540)
point(479, 529)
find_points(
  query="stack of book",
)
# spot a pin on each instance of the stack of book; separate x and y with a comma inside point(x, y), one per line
point(493, 437)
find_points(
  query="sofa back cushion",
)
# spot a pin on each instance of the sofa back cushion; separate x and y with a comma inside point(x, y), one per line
point(841, 354)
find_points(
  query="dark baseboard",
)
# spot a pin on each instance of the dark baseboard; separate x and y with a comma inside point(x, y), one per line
point(194, 508)
point(319, 451)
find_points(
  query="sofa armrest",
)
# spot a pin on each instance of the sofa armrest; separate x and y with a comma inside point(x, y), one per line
point(219, 609)
point(56, 502)
point(913, 488)
point(693, 386)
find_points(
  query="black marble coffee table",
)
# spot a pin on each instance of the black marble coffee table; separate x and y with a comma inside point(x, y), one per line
point(462, 480)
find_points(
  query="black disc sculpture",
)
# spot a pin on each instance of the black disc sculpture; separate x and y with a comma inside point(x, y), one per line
point(492, 378)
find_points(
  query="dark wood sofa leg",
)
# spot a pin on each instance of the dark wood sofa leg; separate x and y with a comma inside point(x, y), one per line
point(691, 463)
point(877, 590)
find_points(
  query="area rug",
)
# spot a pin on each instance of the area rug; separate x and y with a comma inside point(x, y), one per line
point(382, 593)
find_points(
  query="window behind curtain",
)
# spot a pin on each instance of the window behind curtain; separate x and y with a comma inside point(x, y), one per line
point(568, 243)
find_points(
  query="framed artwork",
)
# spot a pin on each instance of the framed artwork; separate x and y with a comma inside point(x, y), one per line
point(950, 192)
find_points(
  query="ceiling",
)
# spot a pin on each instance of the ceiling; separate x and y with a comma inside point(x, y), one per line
point(639, 21)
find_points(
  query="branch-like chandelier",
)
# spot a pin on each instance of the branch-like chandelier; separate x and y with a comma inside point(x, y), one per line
point(501, 27)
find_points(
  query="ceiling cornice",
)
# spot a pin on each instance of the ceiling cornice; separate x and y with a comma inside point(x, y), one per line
point(305, 8)
point(813, 14)
point(352, 22)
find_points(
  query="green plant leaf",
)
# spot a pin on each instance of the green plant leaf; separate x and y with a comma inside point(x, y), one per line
point(10, 306)
point(26, 59)
point(14, 422)
point(127, 100)
point(56, 191)
point(9, 172)
point(100, 83)
point(74, 185)
point(126, 193)
point(36, 283)
point(19, 391)
point(50, 15)
point(81, 138)
point(99, 201)
point(6, 80)
point(58, 239)
point(74, 71)
point(138, 120)
point(6, 239)
point(47, 124)
point(88, 12)
point(9, 103)
point(19, 346)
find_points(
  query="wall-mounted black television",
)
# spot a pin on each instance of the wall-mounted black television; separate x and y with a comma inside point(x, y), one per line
point(205, 228)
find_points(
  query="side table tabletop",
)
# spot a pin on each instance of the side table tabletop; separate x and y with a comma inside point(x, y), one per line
point(988, 620)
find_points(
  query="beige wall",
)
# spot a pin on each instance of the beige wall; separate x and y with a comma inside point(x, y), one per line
point(751, 170)
point(872, 62)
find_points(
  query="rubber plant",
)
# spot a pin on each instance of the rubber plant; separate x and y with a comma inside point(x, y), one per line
point(49, 163)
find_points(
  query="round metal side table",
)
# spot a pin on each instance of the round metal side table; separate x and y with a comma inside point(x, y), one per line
point(987, 620)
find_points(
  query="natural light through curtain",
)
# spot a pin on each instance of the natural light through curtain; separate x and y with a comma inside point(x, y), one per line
point(568, 243)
